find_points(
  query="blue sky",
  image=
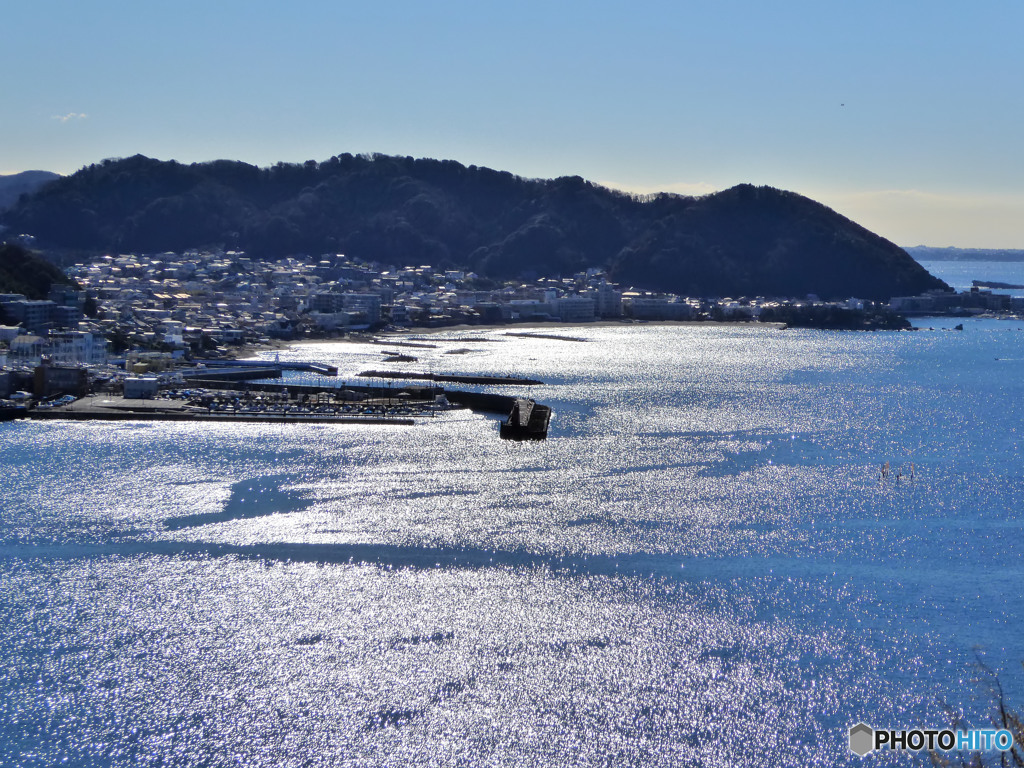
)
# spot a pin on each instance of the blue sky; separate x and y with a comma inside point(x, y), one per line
point(905, 116)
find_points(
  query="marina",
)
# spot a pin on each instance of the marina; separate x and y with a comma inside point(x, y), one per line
point(257, 392)
point(113, 408)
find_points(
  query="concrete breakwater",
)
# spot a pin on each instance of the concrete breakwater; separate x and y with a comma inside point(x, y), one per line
point(549, 336)
point(452, 377)
point(247, 373)
point(481, 401)
point(283, 365)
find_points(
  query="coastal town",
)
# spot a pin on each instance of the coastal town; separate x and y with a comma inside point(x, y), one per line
point(142, 313)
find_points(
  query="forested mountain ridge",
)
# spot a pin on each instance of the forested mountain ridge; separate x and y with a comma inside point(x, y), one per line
point(399, 210)
point(13, 186)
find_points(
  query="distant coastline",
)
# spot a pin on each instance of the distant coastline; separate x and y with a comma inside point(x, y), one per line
point(927, 253)
point(252, 351)
point(558, 324)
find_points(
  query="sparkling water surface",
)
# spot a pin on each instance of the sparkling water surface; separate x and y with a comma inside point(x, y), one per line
point(702, 565)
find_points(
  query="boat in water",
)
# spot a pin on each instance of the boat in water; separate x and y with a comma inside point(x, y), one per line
point(527, 421)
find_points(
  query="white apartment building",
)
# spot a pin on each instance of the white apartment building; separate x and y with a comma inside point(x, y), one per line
point(74, 347)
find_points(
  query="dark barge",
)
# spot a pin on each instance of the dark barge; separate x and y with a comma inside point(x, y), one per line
point(10, 411)
point(527, 421)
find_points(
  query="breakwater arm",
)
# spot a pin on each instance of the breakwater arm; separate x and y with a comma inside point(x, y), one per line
point(551, 336)
point(481, 401)
point(455, 378)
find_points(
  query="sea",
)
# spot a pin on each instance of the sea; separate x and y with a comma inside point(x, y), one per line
point(962, 274)
point(735, 543)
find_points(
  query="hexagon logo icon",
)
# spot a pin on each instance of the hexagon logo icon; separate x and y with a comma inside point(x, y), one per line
point(862, 739)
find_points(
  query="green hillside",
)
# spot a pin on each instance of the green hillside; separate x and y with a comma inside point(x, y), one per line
point(399, 210)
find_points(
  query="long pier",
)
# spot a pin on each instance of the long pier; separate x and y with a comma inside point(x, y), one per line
point(452, 377)
point(549, 336)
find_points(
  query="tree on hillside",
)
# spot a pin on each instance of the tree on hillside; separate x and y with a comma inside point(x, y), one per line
point(25, 272)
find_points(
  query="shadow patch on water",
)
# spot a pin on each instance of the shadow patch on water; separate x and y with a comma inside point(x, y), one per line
point(259, 497)
point(391, 717)
point(451, 689)
point(389, 557)
point(393, 557)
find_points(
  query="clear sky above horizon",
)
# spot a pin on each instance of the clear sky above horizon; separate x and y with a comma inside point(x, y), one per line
point(904, 116)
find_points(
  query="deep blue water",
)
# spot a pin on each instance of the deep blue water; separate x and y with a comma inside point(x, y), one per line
point(701, 566)
point(961, 274)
